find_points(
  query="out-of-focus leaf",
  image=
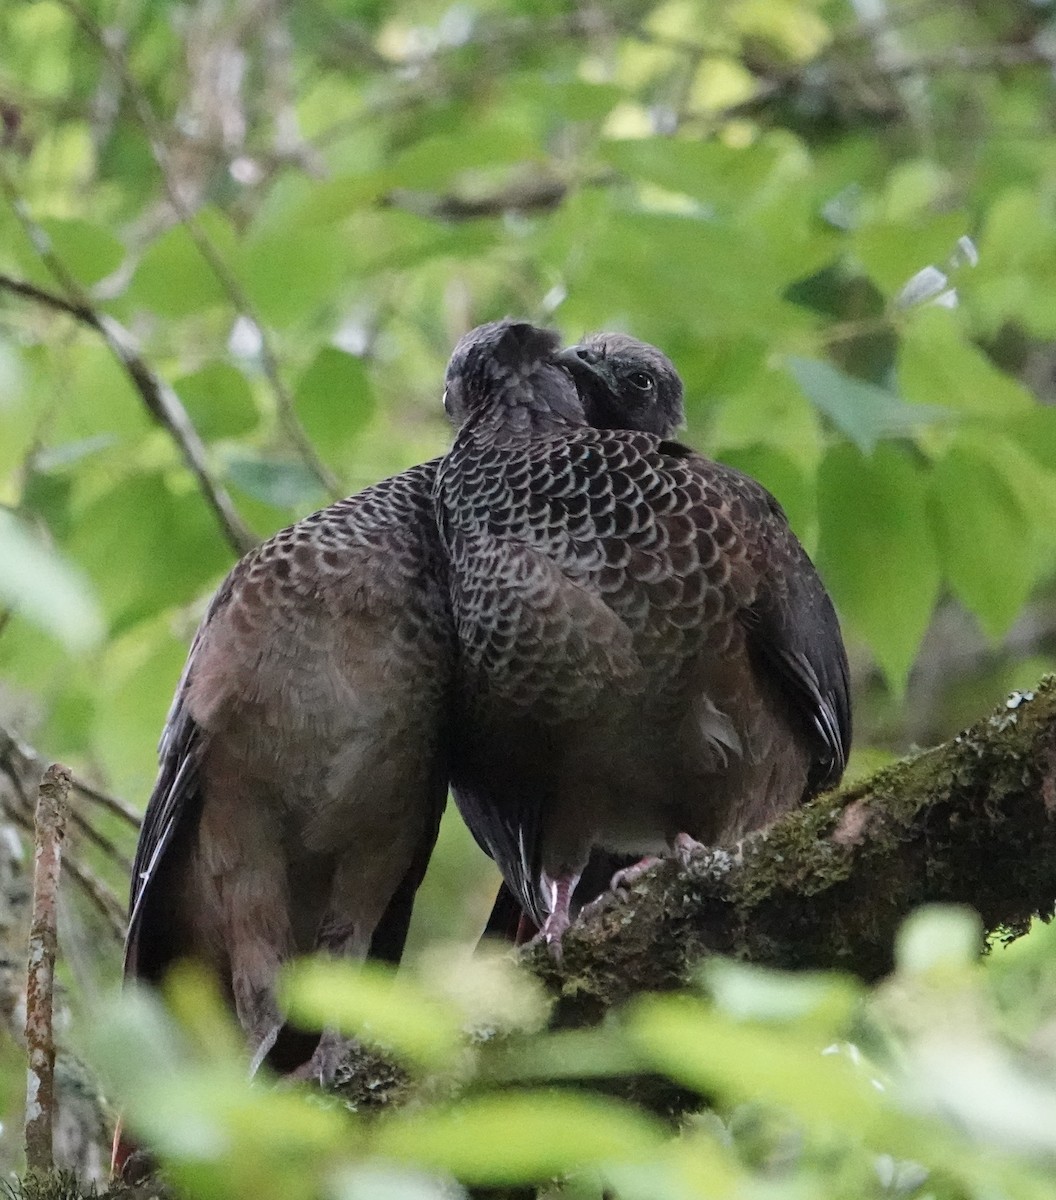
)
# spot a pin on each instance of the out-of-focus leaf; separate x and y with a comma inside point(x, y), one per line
point(521, 1137)
point(753, 993)
point(39, 583)
point(938, 366)
point(892, 252)
point(712, 1054)
point(218, 400)
point(864, 412)
point(366, 1000)
point(174, 279)
point(219, 1135)
point(290, 274)
point(793, 29)
point(985, 539)
point(487, 987)
point(282, 483)
point(941, 936)
point(876, 551)
point(377, 1181)
point(719, 176)
point(147, 546)
point(432, 163)
point(88, 251)
point(335, 401)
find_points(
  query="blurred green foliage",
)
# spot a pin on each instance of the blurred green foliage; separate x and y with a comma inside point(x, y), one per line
point(940, 1082)
point(838, 219)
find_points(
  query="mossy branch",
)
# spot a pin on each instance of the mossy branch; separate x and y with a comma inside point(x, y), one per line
point(972, 821)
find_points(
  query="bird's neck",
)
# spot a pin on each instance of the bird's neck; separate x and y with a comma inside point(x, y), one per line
point(533, 411)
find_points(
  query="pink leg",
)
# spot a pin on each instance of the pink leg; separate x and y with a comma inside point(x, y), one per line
point(553, 928)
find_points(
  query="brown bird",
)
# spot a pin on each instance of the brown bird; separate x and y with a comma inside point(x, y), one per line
point(304, 761)
point(648, 659)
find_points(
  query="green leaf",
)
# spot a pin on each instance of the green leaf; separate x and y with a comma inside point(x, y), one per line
point(147, 547)
point(335, 401)
point(863, 412)
point(283, 483)
point(984, 538)
point(290, 275)
point(431, 163)
point(711, 1053)
point(939, 936)
point(366, 1000)
point(876, 551)
point(891, 253)
point(218, 400)
point(521, 1137)
point(174, 279)
point(718, 175)
point(41, 585)
point(752, 993)
point(89, 252)
point(937, 365)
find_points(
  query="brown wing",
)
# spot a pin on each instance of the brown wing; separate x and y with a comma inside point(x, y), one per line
point(793, 631)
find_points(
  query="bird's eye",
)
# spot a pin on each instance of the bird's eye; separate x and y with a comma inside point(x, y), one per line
point(641, 380)
point(447, 402)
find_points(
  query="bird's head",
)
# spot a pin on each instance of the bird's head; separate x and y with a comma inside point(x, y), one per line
point(509, 364)
point(626, 384)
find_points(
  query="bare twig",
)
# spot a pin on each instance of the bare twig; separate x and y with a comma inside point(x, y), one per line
point(112, 804)
point(52, 801)
point(101, 897)
point(19, 762)
point(19, 757)
point(228, 282)
point(160, 400)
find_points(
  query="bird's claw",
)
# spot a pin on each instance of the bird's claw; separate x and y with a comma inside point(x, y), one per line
point(687, 848)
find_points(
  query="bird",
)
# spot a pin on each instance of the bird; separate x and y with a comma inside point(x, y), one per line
point(303, 764)
point(648, 660)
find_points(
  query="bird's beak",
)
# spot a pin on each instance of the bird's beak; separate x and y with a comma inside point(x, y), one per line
point(585, 366)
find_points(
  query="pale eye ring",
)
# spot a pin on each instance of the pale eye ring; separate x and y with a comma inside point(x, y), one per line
point(641, 380)
point(447, 402)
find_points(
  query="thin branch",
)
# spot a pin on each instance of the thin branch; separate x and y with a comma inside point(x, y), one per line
point(52, 801)
point(112, 804)
point(158, 397)
point(101, 896)
point(19, 763)
point(227, 280)
point(18, 756)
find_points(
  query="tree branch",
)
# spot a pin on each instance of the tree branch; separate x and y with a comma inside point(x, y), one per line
point(20, 764)
point(159, 399)
point(972, 821)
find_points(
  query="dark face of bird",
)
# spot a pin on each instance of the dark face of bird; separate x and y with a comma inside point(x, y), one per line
point(505, 366)
point(626, 384)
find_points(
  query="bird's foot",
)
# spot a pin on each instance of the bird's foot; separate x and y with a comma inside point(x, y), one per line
point(551, 932)
point(687, 848)
point(629, 876)
point(328, 1055)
